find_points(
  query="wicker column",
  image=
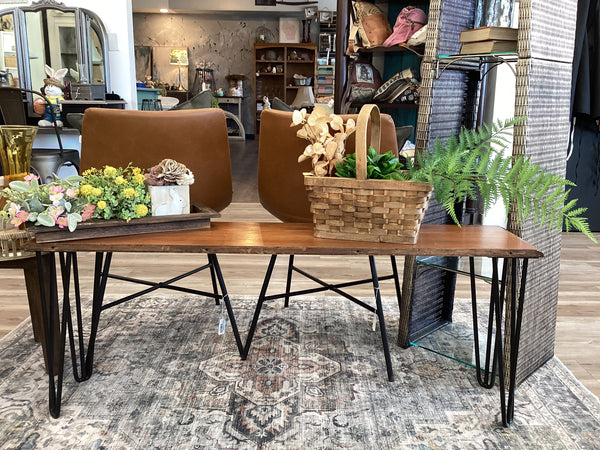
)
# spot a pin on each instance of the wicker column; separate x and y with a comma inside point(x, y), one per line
point(543, 87)
point(542, 95)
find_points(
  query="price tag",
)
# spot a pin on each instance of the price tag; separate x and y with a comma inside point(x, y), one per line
point(222, 325)
point(222, 320)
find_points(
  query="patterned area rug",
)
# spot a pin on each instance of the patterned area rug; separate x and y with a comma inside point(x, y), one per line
point(315, 378)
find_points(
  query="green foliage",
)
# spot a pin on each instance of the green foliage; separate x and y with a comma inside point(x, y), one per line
point(55, 203)
point(472, 165)
point(381, 167)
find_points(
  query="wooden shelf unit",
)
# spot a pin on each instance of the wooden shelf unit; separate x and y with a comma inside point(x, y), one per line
point(388, 60)
point(286, 59)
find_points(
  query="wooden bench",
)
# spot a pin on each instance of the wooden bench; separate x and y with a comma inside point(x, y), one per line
point(297, 239)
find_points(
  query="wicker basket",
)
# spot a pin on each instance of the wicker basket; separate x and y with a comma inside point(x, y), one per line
point(367, 210)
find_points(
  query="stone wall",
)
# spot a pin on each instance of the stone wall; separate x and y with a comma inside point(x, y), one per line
point(225, 41)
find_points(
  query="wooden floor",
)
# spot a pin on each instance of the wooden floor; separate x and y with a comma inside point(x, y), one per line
point(577, 330)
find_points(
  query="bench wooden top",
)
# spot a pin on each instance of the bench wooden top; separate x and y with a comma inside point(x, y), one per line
point(298, 239)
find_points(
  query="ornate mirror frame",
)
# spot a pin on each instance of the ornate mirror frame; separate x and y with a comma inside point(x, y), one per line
point(86, 23)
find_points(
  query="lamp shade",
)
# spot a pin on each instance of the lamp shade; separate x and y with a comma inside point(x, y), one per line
point(178, 56)
point(304, 97)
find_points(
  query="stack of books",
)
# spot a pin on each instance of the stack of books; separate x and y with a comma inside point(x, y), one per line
point(488, 40)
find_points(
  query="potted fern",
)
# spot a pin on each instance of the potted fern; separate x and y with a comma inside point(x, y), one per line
point(468, 165)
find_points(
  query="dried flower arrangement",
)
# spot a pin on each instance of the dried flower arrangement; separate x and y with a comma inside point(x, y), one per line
point(325, 149)
point(169, 173)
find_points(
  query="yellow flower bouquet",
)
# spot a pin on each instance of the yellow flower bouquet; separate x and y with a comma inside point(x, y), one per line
point(116, 193)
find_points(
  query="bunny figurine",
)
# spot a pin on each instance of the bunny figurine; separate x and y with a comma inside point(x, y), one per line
point(54, 91)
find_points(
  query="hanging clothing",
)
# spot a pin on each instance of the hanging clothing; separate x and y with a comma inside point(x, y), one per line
point(585, 94)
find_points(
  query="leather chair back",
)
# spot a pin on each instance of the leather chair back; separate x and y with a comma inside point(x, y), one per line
point(280, 180)
point(196, 138)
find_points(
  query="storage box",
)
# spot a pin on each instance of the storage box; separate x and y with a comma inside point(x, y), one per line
point(325, 80)
point(88, 91)
point(10, 61)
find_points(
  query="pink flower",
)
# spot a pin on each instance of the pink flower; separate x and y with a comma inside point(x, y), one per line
point(56, 194)
point(62, 222)
point(19, 218)
point(55, 211)
point(88, 212)
point(71, 193)
point(14, 209)
point(30, 177)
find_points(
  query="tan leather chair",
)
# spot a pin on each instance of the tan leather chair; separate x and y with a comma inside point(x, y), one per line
point(196, 138)
point(281, 183)
point(280, 180)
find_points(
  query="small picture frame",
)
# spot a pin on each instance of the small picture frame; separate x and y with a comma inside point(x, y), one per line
point(289, 30)
point(325, 16)
point(310, 12)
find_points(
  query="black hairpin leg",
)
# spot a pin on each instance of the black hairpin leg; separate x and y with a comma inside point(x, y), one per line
point(83, 360)
point(380, 315)
point(259, 303)
point(288, 283)
point(55, 351)
point(213, 260)
point(396, 279)
point(485, 376)
point(213, 279)
point(516, 318)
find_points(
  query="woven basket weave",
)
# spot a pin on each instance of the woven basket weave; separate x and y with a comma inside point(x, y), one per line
point(359, 209)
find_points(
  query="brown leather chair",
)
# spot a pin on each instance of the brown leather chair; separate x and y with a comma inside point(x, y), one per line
point(280, 180)
point(195, 137)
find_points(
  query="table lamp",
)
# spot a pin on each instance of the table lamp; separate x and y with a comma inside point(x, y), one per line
point(304, 97)
point(179, 57)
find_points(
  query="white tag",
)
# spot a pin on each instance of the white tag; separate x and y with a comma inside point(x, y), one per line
point(222, 324)
point(374, 322)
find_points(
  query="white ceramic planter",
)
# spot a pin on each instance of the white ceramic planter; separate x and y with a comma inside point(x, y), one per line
point(169, 200)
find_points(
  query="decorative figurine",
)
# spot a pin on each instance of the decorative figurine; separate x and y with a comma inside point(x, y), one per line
point(53, 90)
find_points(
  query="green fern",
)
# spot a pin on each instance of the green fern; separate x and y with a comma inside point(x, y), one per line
point(470, 164)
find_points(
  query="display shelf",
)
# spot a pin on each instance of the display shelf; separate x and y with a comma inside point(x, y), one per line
point(286, 59)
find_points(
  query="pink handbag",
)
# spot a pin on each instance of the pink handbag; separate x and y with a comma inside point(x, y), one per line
point(408, 22)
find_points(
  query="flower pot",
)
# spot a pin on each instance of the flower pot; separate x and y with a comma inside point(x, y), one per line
point(170, 200)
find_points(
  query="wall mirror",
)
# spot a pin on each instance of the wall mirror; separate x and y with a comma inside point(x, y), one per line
point(48, 32)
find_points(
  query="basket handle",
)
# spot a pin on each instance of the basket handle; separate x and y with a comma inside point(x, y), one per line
point(368, 114)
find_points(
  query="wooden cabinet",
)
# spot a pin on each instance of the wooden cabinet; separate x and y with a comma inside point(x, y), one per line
point(274, 68)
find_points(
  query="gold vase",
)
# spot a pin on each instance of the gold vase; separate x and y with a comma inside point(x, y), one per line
point(15, 151)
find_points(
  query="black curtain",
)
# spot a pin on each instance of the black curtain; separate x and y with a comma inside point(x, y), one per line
point(583, 166)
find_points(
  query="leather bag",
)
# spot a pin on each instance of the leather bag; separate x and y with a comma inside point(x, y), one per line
point(364, 80)
point(370, 28)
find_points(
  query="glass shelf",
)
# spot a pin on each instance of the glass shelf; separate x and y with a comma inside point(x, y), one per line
point(483, 266)
point(455, 339)
point(473, 61)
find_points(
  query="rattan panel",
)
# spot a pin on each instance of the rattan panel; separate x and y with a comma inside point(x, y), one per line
point(543, 96)
point(547, 29)
point(546, 37)
point(456, 15)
